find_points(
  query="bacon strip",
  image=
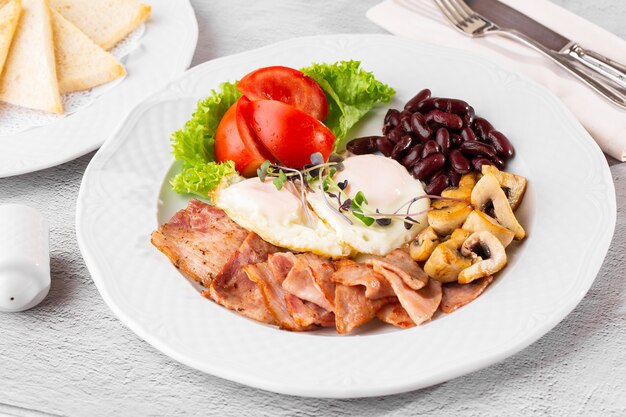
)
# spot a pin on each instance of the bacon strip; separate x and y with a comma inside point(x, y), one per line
point(420, 305)
point(396, 315)
point(273, 295)
point(199, 240)
point(457, 295)
point(352, 273)
point(304, 313)
point(400, 262)
point(234, 290)
point(309, 280)
point(353, 308)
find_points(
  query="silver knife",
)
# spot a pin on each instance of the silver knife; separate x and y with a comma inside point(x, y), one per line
point(507, 17)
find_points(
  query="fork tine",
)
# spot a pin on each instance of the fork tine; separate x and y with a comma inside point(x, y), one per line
point(463, 15)
point(450, 13)
point(465, 8)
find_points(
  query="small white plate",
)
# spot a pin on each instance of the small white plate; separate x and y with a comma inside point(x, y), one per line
point(569, 213)
point(165, 51)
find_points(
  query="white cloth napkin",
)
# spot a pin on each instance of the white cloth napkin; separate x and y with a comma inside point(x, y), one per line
point(422, 20)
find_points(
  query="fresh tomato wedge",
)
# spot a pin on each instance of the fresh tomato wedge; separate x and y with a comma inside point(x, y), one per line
point(291, 135)
point(248, 137)
point(230, 146)
point(287, 85)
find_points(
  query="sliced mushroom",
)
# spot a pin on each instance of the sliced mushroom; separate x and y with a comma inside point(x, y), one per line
point(487, 191)
point(424, 244)
point(464, 190)
point(514, 186)
point(447, 215)
point(487, 253)
point(445, 263)
point(477, 221)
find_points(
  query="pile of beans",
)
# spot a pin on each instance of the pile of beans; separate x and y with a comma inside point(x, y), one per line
point(437, 140)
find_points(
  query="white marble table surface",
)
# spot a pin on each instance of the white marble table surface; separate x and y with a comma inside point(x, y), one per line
point(71, 357)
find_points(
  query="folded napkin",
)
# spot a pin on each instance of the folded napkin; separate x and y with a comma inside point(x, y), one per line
point(423, 21)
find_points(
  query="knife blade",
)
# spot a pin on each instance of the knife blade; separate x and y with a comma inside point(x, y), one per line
point(507, 17)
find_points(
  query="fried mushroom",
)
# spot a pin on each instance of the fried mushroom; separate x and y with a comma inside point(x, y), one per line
point(514, 186)
point(486, 194)
point(487, 254)
point(445, 263)
point(424, 244)
point(477, 221)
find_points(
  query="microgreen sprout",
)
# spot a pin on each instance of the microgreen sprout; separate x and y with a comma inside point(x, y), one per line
point(357, 206)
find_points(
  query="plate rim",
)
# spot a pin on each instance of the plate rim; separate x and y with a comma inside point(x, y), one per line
point(185, 61)
point(536, 333)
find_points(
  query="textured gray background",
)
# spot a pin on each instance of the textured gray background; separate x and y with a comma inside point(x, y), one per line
point(71, 356)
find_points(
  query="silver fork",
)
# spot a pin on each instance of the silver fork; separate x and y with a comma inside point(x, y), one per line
point(472, 24)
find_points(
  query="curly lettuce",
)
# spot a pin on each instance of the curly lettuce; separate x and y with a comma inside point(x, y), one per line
point(193, 145)
point(351, 93)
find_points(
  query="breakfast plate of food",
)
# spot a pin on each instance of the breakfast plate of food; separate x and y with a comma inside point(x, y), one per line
point(345, 216)
point(71, 69)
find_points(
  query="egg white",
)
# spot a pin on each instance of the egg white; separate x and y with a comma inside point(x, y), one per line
point(279, 217)
point(387, 186)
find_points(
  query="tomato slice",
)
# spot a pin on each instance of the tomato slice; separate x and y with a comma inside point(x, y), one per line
point(230, 146)
point(287, 85)
point(291, 135)
point(248, 137)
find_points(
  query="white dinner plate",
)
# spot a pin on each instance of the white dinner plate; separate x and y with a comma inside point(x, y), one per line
point(165, 51)
point(569, 213)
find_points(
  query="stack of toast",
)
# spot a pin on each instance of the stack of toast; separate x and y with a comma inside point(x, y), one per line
point(53, 47)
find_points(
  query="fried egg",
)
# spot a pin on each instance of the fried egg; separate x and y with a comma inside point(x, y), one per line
point(387, 186)
point(278, 216)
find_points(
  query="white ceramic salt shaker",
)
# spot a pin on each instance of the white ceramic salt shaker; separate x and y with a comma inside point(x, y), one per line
point(24, 258)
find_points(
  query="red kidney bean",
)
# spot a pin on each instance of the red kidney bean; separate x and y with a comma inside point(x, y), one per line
point(477, 148)
point(454, 176)
point(426, 105)
point(387, 127)
point(437, 183)
point(405, 123)
point(482, 127)
point(362, 146)
point(501, 144)
point(498, 162)
point(396, 134)
point(392, 113)
point(412, 104)
point(420, 128)
point(402, 147)
point(468, 134)
point(384, 145)
point(428, 166)
point(414, 155)
point(452, 105)
point(449, 120)
point(459, 162)
point(468, 118)
point(442, 137)
point(455, 139)
point(478, 162)
point(430, 148)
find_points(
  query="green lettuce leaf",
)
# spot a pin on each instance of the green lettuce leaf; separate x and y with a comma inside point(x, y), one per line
point(351, 93)
point(193, 145)
point(202, 178)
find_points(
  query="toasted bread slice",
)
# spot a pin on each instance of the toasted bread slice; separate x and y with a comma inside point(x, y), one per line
point(106, 22)
point(81, 64)
point(30, 78)
point(10, 12)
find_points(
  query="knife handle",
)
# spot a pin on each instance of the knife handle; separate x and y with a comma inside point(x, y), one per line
point(612, 70)
point(605, 89)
